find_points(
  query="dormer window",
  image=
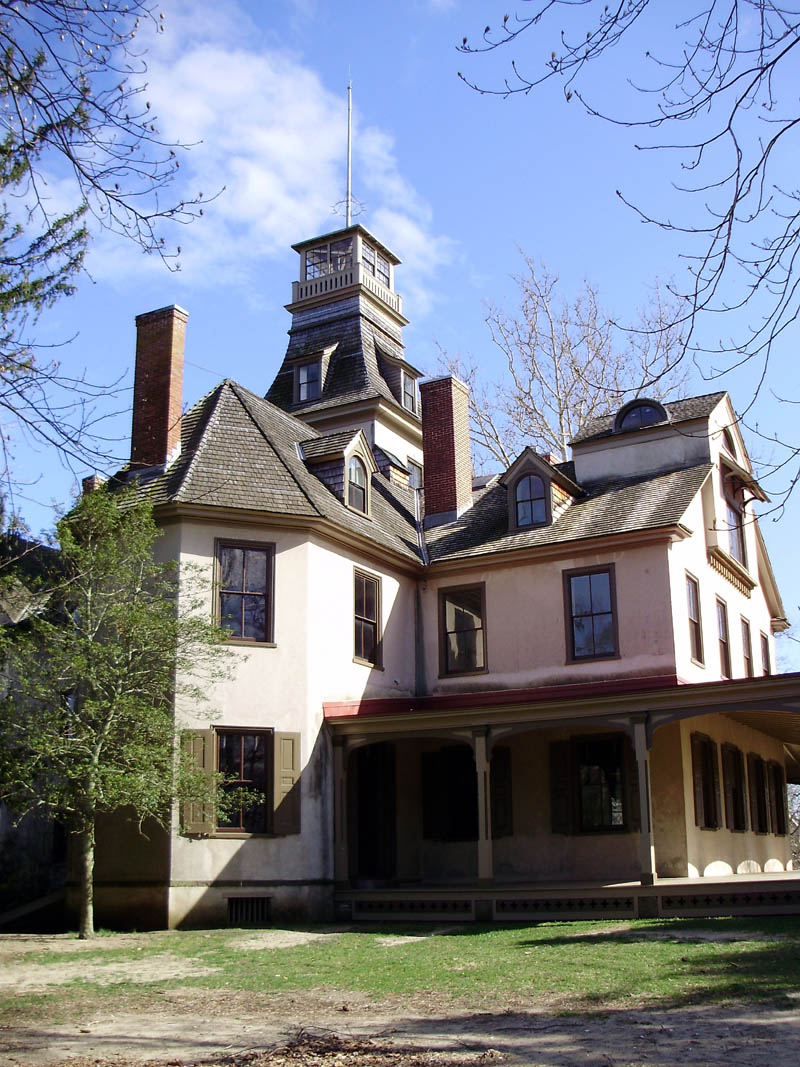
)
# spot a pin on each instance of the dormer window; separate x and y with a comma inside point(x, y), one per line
point(329, 258)
point(357, 485)
point(409, 393)
point(376, 264)
point(638, 414)
point(530, 500)
point(734, 517)
point(727, 442)
point(308, 381)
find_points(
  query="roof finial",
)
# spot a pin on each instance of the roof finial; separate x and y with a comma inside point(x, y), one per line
point(350, 205)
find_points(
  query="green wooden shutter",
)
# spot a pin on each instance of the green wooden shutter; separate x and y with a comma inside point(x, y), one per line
point(697, 780)
point(561, 787)
point(199, 748)
point(286, 784)
point(633, 816)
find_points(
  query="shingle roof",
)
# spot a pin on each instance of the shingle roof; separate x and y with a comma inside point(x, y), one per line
point(327, 444)
point(610, 507)
point(693, 407)
point(239, 451)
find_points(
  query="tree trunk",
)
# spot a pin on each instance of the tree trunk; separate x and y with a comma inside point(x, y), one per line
point(86, 926)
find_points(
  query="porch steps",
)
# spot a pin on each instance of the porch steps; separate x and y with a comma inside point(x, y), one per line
point(763, 894)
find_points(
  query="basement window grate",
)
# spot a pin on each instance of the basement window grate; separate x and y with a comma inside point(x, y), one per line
point(249, 911)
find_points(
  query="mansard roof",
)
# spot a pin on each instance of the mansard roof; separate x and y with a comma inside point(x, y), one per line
point(693, 407)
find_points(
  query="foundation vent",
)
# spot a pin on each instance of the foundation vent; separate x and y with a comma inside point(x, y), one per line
point(249, 911)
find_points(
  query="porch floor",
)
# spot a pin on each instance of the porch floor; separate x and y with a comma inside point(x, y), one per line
point(740, 894)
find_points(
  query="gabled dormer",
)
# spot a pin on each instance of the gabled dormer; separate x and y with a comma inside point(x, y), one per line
point(344, 462)
point(538, 491)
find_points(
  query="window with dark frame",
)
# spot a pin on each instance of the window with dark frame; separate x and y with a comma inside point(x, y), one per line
point(735, 786)
point(367, 610)
point(640, 415)
point(308, 381)
point(409, 393)
point(747, 649)
point(601, 805)
point(705, 776)
point(414, 475)
point(530, 500)
point(329, 258)
point(246, 576)
point(758, 789)
point(695, 621)
point(724, 639)
point(245, 759)
point(357, 485)
point(591, 613)
point(376, 264)
point(766, 667)
point(734, 517)
point(777, 798)
point(462, 631)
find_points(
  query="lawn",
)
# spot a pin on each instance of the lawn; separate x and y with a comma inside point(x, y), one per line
point(566, 966)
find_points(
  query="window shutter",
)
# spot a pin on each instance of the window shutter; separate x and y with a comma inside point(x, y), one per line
point(561, 787)
point(714, 756)
point(728, 779)
point(633, 818)
point(500, 786)
point(286, 784)
point(697, 779)
point(198, 745)
point(772, 796)
point(752, 775)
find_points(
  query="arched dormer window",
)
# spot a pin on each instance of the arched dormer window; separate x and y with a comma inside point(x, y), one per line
point(530, 501)
point(727, 442)
point(357, 485)
point(639, 413)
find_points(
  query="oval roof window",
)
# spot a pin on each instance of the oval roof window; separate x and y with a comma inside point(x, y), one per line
point(638, 413)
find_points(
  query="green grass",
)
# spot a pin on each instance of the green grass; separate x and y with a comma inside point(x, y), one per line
point(571, 966)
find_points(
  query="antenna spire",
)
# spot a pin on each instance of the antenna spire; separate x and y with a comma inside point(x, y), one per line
point(349, 213)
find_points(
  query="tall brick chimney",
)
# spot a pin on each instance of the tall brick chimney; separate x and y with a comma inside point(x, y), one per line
point(158, 386)
point(445, 443)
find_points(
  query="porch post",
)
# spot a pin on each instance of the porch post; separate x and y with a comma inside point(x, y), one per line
point(480, 746)
point(647, 857)
point(341, 867)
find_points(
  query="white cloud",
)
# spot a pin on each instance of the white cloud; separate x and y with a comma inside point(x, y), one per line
point(265, 127)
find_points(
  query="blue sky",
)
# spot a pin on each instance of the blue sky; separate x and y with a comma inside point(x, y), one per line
point(454, 182)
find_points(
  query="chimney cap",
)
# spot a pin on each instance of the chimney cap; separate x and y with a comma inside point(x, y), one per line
point(171, 308)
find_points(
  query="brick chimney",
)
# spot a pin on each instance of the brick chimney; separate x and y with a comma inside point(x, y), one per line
point(158, 386)
point(445, 444)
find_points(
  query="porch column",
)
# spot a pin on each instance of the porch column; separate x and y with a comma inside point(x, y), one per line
point(647, 856)
point(480, 747)
point(341, 866)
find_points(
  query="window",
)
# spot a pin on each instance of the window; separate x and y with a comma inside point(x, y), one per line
point(705, 776)
point(593, 786)
point(765, 659)
point(367, 616)
point(328, 258)
point(246, 577)
point(357, 485)
point(449, 794)
point(308, 381)
point(462, 642)
point(639, 413)
point(590, 613)
point(695, 623)
point(734, 517)
point(530, 501)
point(727, 442)
point(244, 759)
point(747, 649)
point(759, 793)
point(376, 264)
point(409, 392)
point(724, 642)
point(777, 798)
point(600, 785)
point(735, 788)
point(414, 475)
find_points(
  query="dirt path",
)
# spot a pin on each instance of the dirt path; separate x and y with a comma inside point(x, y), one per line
point(180, 1025)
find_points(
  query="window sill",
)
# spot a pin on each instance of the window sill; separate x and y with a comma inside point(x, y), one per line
point(697, 662)
point(463, 674)
point(238, 835)
point(571, 661)
point(244, 642)
point(368, 663)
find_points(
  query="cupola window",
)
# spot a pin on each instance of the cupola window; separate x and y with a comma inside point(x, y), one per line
point(530, 500)
point(329, 258)
point(357, 485)
point(639, 413)
point(376, 264)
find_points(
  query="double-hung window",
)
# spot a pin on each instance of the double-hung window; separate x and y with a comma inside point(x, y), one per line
point(462, 634)
point(357, 485)
point(530, 501)
point(590, 610)
point(766, 667)
point(747, 649)
point(367, 618)
point(245, 759)
point(601, 805)
point(245, 590)
point(695, 621)
point(724, 639)
point(409, 393)
point(308, 381)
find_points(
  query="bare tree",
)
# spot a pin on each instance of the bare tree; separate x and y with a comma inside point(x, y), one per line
point(566, 361)
point(724, 79)
point(74, 115)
